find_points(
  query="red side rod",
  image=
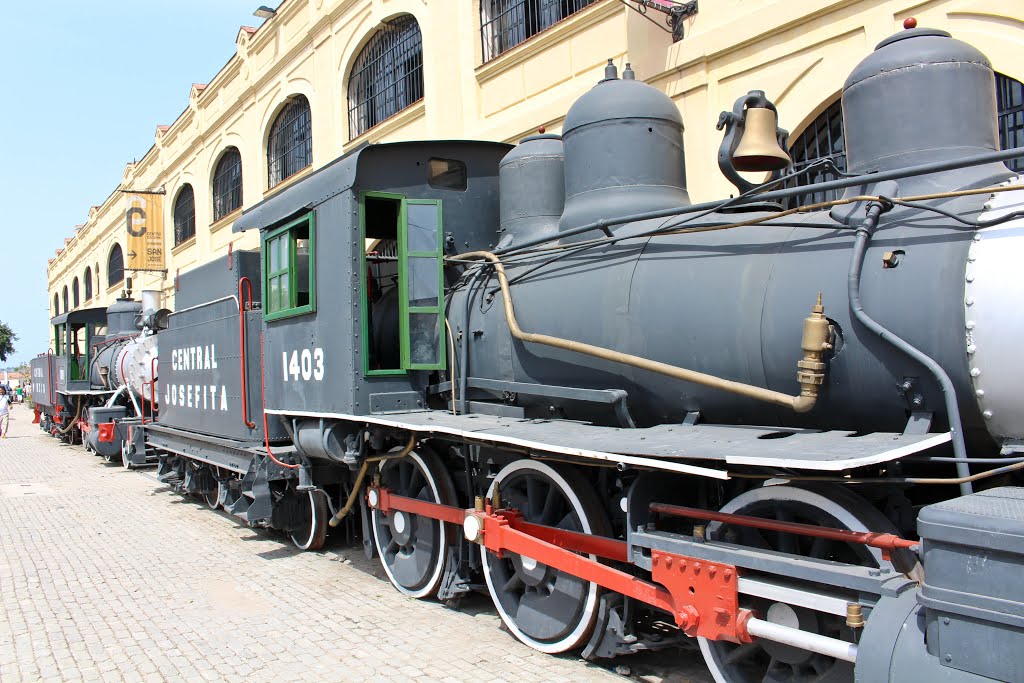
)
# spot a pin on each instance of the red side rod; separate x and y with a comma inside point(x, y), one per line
point(244, 283)
point(702, 596)
point(887, 542)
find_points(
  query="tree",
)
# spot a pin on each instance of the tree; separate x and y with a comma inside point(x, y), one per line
point(7, 339)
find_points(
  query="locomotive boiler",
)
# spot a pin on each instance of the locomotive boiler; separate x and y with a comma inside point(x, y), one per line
point(788, 430)
point(124, 365)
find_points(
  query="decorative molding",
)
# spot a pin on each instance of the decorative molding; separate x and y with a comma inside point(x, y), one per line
point(416, 110)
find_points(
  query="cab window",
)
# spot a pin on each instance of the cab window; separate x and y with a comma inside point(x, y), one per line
point(289, 275)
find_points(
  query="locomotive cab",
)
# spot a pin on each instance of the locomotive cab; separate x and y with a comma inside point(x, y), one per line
point(343, 343)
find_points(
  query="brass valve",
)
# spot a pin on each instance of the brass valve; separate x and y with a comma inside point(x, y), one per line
point(816, 341)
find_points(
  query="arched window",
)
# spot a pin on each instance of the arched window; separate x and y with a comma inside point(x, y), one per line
point(64, 297)
point(56, 305)
point(386, 76)
point(87, 281)
point(823, 138)
point(184, 215)
point(75, 293)
point(227, 183)
point(1010, 105)
point(96, 270)
point(506, 23)
point(115, 266)
point(290, 143)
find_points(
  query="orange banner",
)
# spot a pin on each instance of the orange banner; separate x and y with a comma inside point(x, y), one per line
point(144, 220)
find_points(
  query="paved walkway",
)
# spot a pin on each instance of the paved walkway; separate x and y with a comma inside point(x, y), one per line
point(107, 575)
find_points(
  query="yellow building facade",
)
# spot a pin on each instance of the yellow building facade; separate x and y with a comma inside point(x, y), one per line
point(322, 77)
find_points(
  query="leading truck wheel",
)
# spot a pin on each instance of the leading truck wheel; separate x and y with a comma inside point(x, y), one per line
point(413, 549)
point(313, 514)
point(547, 609)
point(764, 661)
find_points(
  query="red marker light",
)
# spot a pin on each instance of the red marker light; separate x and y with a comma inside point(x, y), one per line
point(909, 23)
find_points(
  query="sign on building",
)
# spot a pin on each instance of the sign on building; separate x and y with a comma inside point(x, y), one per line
point(144, 218)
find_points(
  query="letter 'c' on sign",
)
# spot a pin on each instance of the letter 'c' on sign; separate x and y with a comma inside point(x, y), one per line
point(134, 212)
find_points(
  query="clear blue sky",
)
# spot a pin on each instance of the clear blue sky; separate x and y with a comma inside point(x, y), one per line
point(75, 111)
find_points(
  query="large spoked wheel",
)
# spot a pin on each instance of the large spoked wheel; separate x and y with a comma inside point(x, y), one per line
point(413, 549)
point(213, 497)
point(545, 608)
point(311, 531)
point(765, 661)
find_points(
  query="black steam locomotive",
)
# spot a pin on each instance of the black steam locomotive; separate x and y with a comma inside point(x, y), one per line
point(792, 434)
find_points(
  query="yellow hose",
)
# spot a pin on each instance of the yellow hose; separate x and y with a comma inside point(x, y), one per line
point(801, 403)
point(354, 496)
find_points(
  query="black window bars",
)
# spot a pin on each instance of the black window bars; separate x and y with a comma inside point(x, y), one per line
point(184, 215)
point(823, 138)
point(227, 184)
point(115, 266)
point(506, 23)
point(386, 76)
point(1010, 112)
point(290, 143)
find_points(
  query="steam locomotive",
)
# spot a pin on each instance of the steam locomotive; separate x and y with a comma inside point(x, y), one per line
point(541, 371)
point(97, 381)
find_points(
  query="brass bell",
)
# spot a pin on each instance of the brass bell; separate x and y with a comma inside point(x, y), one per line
point(759, 148)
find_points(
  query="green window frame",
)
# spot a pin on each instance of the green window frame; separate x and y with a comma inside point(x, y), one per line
point(421, 283)
point(282, 268)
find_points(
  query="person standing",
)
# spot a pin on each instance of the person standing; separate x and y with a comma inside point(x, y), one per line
point(5, 412)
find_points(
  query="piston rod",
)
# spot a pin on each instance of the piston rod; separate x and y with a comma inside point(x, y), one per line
point(812, 642)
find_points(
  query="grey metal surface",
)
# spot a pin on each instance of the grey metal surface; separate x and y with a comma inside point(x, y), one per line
point(532, 183)
point(623, 152)
point(121, 317)
point(227, 453)
point(731, 302)
point(200, 381)
point(910, 73)
point(218, 278)
point(470, 215)
point(717, 445)
point(44, 374)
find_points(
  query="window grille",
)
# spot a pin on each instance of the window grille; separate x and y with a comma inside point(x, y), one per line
point(184, 215)
point(1010, 108)
point(290, 143)
point(87, 281)
point(823, 138)
point(75, 299)
point(64, 296)
point(506, 23)
point(387, 75)
point(115, 266)
point(227, 184)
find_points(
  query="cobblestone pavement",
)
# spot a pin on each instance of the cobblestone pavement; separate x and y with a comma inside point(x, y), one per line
point(107, 575)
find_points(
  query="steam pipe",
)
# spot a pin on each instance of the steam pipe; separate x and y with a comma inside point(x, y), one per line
point(810, 370)
point(464, 352)
point(864, 234)
point(838, 184)
point(354, 495)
